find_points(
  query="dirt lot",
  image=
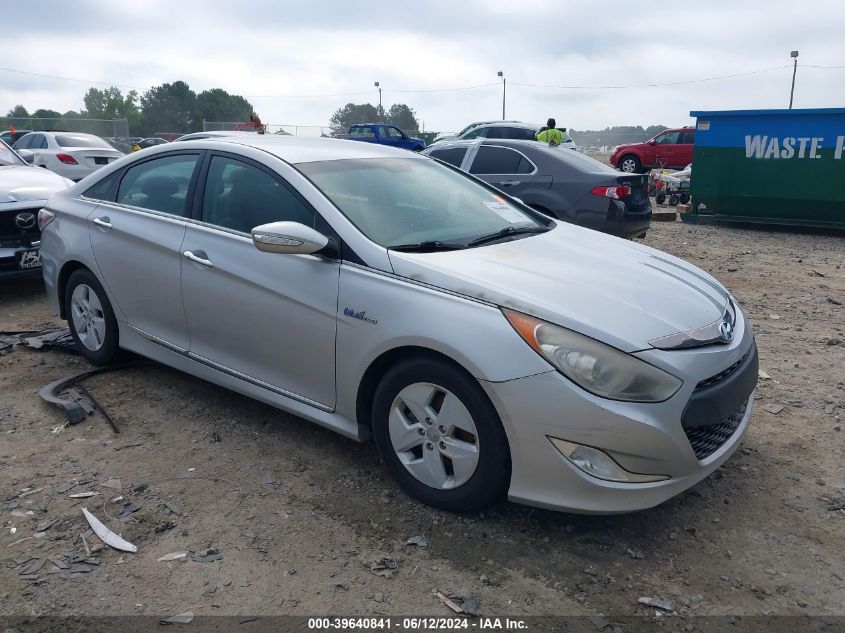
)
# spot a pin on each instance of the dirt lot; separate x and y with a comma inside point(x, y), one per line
point(299, 513)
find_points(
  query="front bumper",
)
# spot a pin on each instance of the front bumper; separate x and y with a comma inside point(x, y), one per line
point(653, 439)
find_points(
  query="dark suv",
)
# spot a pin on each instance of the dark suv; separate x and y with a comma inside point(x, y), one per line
point(670, 148)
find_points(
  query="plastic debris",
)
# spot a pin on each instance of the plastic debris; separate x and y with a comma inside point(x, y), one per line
point(657, 603)
point(106, 535)
point(181, 618)
point(83, 495)
point(454, 607)
point(384, 567)
point(419, 541)
point(128, 508)
point(173, 556)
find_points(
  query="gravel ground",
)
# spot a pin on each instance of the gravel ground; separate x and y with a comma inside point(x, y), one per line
point(294, 515)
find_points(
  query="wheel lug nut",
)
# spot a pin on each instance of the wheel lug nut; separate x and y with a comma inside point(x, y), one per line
point(421, 431)
point(429, 446)
point(442, 445)
point(428, 421)
point(442, 428)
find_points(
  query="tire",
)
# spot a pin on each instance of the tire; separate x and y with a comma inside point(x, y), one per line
point(684, 198)
point(660, 198)
point(674, 199)
point(460, 463)
point(91, 318)
point(630, 164)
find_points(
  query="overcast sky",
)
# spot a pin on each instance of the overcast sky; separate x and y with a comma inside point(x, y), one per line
point(269, 51)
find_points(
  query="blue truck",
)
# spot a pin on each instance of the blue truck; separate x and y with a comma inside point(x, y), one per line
point(383, 134)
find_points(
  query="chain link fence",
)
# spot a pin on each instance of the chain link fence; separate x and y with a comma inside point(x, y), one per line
point(270, 128)
point(106, 128)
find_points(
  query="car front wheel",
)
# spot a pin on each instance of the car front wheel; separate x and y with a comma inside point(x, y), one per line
point(630, 164)
point(440, 436)
point(90, 317)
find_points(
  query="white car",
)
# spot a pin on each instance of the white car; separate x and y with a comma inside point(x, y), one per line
point(73, 155)
point(23, 191)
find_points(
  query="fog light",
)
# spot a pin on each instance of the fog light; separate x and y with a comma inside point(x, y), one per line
point(599, 464)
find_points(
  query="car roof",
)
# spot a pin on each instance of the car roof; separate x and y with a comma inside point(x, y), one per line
point(509, 124)
point(298, 149)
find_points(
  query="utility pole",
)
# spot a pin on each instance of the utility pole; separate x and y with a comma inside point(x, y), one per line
point(376, 84)
point(793, 55)
point(504, 89)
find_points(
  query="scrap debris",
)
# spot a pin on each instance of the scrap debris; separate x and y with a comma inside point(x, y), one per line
point(173, 556)
point(37, 339)
point(469, 605)
point(182, 618)
point(665, 605)
point(419, 541)
point(384, 567)
point(106, 535)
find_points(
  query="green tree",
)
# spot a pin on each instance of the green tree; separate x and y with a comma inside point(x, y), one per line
point(41, 113)
point(351, 114)
point(18, 111)
point(111, 103)
point(403, 117)
point(169, 108)
point(218, 105)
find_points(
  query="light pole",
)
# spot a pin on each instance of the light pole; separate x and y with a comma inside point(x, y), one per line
point(793, 55)
point(376, 84)
point(504, 89)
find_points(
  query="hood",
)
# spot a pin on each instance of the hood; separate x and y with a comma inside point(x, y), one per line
point(613, 290)
point(20, 184)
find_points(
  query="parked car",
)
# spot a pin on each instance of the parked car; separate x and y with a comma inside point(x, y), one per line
point(10, 138)
point(453, 135)
point(486, 348)
point(514, 131)
point(23, 191)
point(383, 134)
point(194, 136)
point(150, 142)
point(73, 155)
point(560, 183)
point(670, 148)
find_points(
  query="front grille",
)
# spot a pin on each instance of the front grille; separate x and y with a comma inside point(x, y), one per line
point(11, 232)
point(716, 379)
point(706, 440)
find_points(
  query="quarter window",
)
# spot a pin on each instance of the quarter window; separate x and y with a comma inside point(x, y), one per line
point(500, 160)
point(454, 155)
point(239, 196)
point(103, 189)
point(160, 184)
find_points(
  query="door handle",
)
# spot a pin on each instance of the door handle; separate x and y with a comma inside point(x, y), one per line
point(199, 257)
point(509, 183)
point(103, 222)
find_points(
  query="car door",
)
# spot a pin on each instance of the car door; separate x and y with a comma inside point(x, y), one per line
point(665, 148)
point(136, 234)
point(267, 318)
point(392, 136)
point(686, 142)
point(504, 168)
point(38, 145)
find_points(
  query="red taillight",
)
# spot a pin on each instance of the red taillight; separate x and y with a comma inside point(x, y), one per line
point(612, 192)
point(67, 159)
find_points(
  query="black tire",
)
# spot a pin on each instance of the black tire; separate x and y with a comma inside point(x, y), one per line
point(490, 480)
point(674, 199)
point(660, 198)
point(108, 352)
point(684, 198)
point(630, 164)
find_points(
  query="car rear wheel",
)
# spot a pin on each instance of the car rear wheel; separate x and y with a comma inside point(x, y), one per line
point(630, 164)
point(91, 318)
point(440, 436)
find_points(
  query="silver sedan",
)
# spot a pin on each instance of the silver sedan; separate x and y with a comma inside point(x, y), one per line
point(488, 350)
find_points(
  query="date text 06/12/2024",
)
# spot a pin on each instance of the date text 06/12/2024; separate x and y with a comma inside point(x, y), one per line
point(415, 624)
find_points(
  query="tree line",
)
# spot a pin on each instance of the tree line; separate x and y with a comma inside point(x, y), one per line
point(616, 135)
point(399, 114)
point(170, 107)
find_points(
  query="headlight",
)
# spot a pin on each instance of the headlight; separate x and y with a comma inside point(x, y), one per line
point(600, 369)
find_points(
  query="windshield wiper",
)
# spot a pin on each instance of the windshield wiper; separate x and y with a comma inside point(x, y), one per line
point(431, 245)
point(507, 232)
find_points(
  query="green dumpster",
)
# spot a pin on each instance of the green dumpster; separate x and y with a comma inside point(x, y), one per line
point(769, 166)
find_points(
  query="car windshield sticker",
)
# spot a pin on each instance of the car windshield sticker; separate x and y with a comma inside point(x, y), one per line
point(506, 211)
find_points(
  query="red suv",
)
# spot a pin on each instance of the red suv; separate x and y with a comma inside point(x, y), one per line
point(670, 148)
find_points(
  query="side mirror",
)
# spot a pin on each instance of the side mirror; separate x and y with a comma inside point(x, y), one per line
point(27, 155)
point(291, 238)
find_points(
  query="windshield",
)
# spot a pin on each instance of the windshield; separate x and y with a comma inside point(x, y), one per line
point(81, 141)
point(400, 201)
point(8, 157)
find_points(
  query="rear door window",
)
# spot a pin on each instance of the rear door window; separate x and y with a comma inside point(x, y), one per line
point(500, 160)
point(160, 184)
point(668, 138)
point(363, 130)
point(24, 141)
point(687, 138)
point(454, 155)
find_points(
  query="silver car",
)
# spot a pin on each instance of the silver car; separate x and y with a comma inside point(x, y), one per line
point(488, 350)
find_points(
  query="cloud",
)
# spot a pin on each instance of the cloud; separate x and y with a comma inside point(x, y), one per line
point(264, 50)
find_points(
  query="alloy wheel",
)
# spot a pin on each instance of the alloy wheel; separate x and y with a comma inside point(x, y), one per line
point(88, 317)
point(629, 165)
point(433, 435)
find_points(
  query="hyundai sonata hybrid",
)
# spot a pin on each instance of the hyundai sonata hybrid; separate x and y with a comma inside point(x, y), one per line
point(487, 349)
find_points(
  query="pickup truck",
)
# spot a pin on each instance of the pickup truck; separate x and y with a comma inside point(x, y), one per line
point(383, 134)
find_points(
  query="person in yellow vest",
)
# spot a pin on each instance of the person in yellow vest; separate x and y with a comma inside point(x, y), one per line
point(550, 134)
point(135, 148)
